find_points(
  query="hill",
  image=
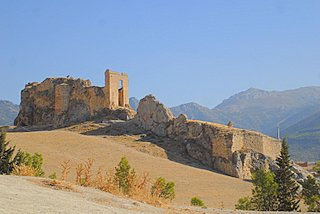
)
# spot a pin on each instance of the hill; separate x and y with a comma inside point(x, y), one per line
point(304, 138)
point(265, 110)
point(196, 111)
point(216, 190)
point(8, 112)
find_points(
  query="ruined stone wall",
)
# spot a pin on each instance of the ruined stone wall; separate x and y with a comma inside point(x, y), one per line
point(63, 101)
point(117, 96)
point(254, 141)
point(61, 98)
point(235, 152)
point(271, 147)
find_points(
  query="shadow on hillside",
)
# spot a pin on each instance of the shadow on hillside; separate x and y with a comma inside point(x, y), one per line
point(174, 150)
point(27, 128)
point(116, 128)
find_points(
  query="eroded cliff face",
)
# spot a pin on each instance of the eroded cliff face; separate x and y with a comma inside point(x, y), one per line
point(63, 101)
point(235, 152)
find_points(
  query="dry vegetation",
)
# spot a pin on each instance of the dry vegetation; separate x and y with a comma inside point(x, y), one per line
point(137, 186)
point(58, 185)
point(24, 170)
point(106, 180)
point(66, 166)
point(215, 189)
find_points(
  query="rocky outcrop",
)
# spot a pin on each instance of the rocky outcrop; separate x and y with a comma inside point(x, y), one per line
point(235, 152)
point(153, 116)
point(64, 101)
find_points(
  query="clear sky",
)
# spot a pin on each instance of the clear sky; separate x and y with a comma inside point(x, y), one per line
point(178, 50)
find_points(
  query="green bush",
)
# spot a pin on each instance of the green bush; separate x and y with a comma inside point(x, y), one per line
point(53, 176)
point(264, 193)
point(244, 203)
point(197, 202)
point(163, 189)
point(314, 204)
point(123, 175)
point(34, 161)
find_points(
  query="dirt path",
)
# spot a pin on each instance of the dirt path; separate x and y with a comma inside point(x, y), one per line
point(20, 195)
point(30, 195)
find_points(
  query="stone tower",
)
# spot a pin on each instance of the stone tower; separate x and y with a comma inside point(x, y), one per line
point(116, 88)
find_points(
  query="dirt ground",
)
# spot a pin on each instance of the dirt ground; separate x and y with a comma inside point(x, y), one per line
point(216, 190)
point(32, 195)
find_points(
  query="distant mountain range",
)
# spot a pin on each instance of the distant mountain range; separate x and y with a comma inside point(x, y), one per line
point(296, 112)
point(8, 112)
point(304, 138)
point(259, 110)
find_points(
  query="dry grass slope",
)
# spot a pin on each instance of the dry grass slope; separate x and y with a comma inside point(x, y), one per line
point(215, 189)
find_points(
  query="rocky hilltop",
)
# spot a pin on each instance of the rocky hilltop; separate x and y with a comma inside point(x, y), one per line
point(61, 102)
point(233, 151)
point(64, 101)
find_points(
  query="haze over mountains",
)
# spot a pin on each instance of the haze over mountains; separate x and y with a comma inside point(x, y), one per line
point(258, 109)
point(8, 112)
point(296, 112)
point(134, 102)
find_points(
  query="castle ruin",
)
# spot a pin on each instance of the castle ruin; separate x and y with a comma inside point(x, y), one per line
point(117, 89)
point(61, 101)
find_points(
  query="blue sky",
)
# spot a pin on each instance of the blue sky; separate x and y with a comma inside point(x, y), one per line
point(180, 51)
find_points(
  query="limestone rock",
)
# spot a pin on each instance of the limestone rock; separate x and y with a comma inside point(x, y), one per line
point(299, 173)
point(63, 101)
point(153, 116)
point(199, 153)
point(235, 152)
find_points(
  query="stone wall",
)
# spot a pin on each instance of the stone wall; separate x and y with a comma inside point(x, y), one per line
point(117, 96)
point(233, 151)
point(63, 101)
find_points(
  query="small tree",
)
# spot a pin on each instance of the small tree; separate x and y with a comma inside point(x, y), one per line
point(123, 174)
point(195, 201)
point(7, 158)
point(287, 196)
point(245, 203)
point(163, 189)
point(311, 194)
point(264, 194)
point(230, 124)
